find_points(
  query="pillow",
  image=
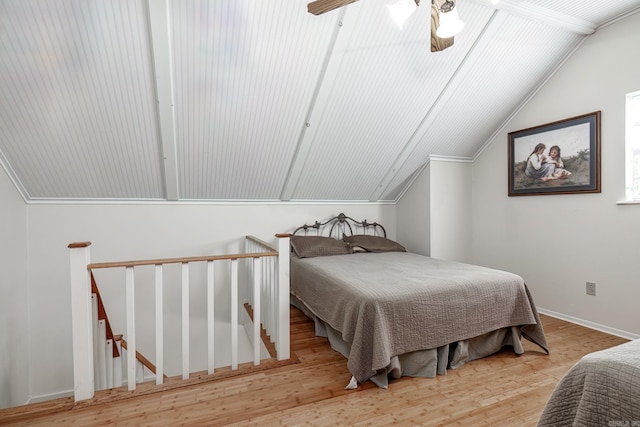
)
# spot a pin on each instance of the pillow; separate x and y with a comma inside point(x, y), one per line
point(310, 246)
point(373, 243)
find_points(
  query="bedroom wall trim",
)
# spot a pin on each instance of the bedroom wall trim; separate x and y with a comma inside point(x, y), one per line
point(50, 396)
point(148, 376)
point(186, 202)
point(590, 325)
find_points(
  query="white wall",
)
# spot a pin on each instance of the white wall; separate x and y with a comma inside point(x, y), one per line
point(129, 232)
point(14, 305)
point(559, 242)
point(414, 215)
point(451, 210)
point(434, 215)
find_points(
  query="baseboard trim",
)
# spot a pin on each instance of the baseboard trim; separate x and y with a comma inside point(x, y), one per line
point(69, 393)
point(590, 325)
point(46, 397)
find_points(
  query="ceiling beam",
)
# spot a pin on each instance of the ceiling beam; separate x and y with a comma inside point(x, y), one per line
point(160, 29)
point(537, 13)
point(322, 92)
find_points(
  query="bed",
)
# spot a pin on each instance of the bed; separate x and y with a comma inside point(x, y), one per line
point(393, 313)
point(602, 389)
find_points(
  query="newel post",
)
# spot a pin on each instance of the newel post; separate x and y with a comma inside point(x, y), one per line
point(81, 321)
point(283, 339)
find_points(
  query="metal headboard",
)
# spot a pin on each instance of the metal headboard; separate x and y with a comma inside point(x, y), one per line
point(344, 223)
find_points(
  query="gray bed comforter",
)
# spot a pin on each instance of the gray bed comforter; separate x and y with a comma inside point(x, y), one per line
point(602, 389)
point(392, 303)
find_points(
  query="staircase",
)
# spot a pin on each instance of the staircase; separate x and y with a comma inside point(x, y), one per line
point(259, 300)
point(108, 348)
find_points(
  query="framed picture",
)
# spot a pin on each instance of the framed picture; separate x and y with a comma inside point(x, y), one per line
point(562, 157)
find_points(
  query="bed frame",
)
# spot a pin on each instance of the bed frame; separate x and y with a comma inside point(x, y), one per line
point(339, 225)
point(438, 356)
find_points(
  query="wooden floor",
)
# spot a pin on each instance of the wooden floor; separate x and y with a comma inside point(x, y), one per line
point(501, 390)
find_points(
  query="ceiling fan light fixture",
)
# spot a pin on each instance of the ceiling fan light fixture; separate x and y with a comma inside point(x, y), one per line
point(401, 10)
point(450, 22)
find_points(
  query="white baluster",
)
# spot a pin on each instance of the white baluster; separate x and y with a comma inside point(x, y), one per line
point(117, 366)
point(108, 357)
point(273, 312)
point(101, 362)
point(210, 316)
point(257, 275)
point(282, 336)
point(131, 329)
point(234, 314)
point(269, 307)
point(185, 321)
point(96, 338)
point(159, 326)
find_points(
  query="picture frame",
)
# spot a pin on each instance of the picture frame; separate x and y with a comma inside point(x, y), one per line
point(573, 168)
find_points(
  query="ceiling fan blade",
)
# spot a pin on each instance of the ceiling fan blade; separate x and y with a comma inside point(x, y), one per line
point(437, 44)
point(321, 6)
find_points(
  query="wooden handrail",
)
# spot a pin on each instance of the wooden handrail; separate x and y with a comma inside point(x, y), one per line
point(139, 357)
point(183, 260)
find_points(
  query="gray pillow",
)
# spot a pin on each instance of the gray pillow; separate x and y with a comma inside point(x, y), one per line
point(373, 243)
point(310, 246)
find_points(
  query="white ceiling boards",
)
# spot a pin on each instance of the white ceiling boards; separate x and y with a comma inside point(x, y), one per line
point(240, 100)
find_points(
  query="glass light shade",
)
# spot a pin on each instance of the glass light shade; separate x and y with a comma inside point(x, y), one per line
point(401, 10)
point(450, 24)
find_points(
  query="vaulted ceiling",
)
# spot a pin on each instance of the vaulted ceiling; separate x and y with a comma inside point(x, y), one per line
point(260, 100)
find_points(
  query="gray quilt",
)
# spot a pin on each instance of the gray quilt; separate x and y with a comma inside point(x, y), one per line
point(392, 303)
point(602, 389)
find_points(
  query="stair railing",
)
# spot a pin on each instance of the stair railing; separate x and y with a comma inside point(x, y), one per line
point(266, 295)
point(276, 307)
point(105, 347)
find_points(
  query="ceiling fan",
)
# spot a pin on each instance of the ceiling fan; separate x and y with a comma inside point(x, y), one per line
point(318, 7)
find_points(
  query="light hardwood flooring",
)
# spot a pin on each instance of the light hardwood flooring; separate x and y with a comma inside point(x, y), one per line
point(500, 390)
